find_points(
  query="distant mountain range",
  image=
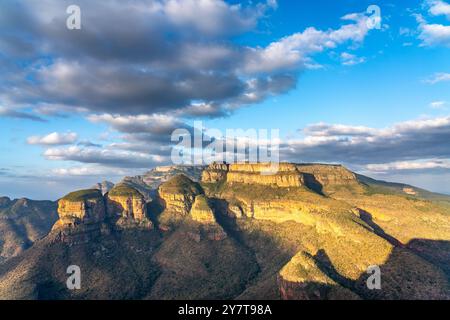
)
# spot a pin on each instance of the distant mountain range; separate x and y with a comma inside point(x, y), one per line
point(309, 231)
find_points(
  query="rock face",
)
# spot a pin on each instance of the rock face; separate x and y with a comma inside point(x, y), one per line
point(81, 207)
point(201, 212)
point(328, 176)
point(128, 206)
point(177, 196)
point(203, 215)
point(284, 175)
point(80, 216)
point(85, 214)
point(302, 279)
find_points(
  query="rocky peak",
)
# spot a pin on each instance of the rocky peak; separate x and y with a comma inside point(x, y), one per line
point(83, 213)
point(207, 226)
point(201, 211)
point(176, 196)
point(81, 207)
point(127, 205)
point(179, 193)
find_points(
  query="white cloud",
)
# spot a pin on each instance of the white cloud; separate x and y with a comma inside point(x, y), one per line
point(410, 165)
point(437, 104)
point(438, 77)
point(214, 16)
point(156, 123)
point(439, 7)
point(292, 51)
point(54, 138)
point(89, 171)
point(349, 59)
point(434, 34)
point(359, 145)
point(107, 156)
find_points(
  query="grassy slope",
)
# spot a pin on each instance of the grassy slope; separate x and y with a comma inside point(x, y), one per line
point(82, 195)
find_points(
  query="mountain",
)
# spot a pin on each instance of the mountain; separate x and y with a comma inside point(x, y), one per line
point(149, 182)
point(22, 222)
point(308, 231)
point(104, 186)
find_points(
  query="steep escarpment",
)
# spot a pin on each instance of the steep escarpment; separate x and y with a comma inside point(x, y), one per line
point(176, 197)
point(81, 207)
point(81, 214)
point(282, 175)
point(329, 178)
point(84, 214)
point(337, 243)
point(128, 206)
point(317, 177)
point(204, 220)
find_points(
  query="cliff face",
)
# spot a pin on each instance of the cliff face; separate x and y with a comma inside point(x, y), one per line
point(128, 206)
point(286, 175)
point(81, 207)
point(176, 197)
point(206, 224)
point(84, 214)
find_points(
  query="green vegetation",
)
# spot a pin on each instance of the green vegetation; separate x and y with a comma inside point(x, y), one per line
point(181, 184)
point(82, 195)
point(214, 188)
point(123, 190)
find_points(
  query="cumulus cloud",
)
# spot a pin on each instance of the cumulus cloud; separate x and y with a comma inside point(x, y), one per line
point(360, 146)
point(54, 138)
point(434, 34)
point(109, 157)
point(174, 57)
point(156, 123)
point(439, 7)
point(292, 51)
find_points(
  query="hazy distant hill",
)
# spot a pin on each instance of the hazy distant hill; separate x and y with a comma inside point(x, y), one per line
point(103, 186)
point(22, 222)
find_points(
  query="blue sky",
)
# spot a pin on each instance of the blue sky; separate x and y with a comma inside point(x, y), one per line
point(81, 106)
